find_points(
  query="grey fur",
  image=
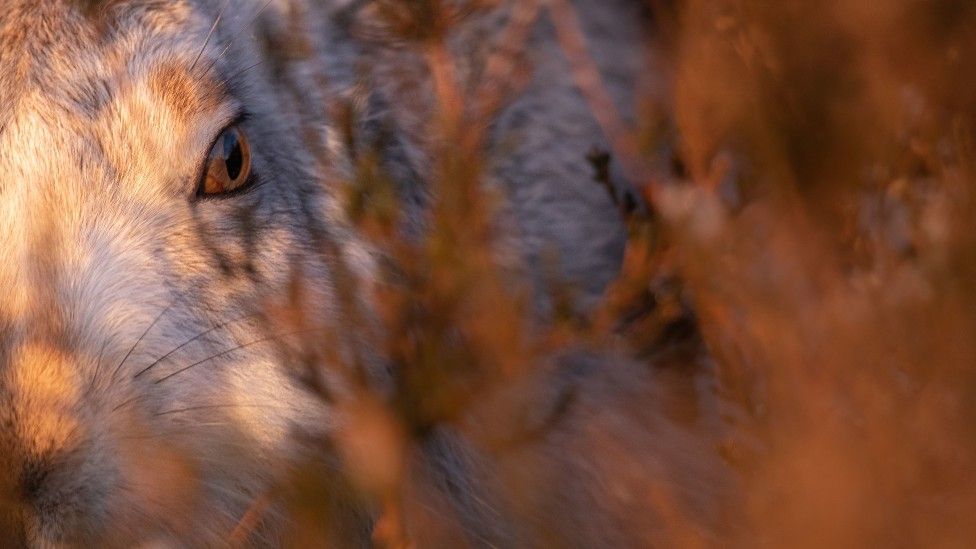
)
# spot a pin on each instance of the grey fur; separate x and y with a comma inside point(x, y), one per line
point(106, 109)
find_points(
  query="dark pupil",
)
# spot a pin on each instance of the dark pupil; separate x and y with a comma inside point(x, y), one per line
point(234, 156)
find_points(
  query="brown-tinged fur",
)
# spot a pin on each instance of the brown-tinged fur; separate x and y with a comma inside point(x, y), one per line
point(128, 413)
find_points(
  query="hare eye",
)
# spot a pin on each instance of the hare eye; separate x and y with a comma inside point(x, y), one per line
point(228, 165)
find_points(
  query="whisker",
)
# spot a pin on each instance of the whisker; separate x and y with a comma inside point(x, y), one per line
point(210, 34)
point(228, 351)
point(98, 367)
point(138, 341)
point(191, 340)
point(238, 34)
point(126, 403)
point(219, 407)
point(244, 70)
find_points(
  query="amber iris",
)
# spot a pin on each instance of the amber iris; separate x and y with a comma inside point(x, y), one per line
point(228, 165)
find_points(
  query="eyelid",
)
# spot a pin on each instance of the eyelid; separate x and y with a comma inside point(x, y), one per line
point(240, 117)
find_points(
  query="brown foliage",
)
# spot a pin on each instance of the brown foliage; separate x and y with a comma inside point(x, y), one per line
point(816, 239)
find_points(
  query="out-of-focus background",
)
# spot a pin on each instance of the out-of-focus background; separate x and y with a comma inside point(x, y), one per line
point(801, 228)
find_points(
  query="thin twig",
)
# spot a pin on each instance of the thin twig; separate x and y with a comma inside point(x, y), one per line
point(586, 75)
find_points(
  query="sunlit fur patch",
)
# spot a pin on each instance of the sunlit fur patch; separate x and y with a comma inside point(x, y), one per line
point(46, 390)
point(188, 95)
point(107, 268)
point(167, 114)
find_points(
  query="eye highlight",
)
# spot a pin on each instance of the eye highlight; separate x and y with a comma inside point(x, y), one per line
point(228, 164)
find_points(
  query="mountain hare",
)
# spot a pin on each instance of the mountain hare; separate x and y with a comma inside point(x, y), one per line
point(161, 182)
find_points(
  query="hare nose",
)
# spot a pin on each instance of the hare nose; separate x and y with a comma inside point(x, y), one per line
point(32, 481)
